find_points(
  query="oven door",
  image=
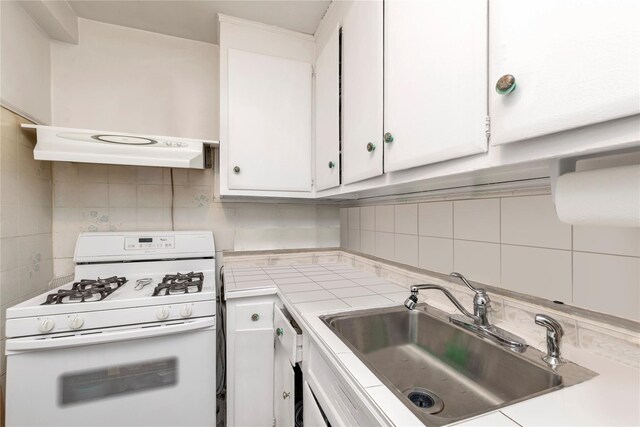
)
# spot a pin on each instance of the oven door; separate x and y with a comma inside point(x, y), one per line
point(150, 375)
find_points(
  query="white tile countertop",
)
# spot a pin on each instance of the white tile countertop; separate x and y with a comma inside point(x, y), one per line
point(611, 398)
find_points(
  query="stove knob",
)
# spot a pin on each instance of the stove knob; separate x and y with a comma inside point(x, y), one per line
point(76, 322)
point(163, 313)
point(186, 311)
point(46, 325)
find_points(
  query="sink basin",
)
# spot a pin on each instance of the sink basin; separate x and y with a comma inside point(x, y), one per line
point(441, 372)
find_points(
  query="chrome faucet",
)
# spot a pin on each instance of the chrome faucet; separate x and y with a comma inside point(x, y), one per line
point(554, 338)
point(481, 301)
point(480, 323)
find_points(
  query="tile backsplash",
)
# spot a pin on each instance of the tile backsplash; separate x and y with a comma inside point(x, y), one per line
point(26, 260)
point(513, 242)
point(92, 197)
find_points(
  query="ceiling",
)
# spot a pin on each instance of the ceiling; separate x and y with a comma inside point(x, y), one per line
point(196, 20)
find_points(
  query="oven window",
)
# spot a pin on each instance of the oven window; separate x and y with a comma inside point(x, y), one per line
point(115, 380)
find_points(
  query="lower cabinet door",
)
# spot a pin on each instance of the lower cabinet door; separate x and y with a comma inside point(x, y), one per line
point(252, 378)
point(283, 389)
point(312, 413)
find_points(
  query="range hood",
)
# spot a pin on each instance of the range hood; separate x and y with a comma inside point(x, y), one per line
point(117, 148)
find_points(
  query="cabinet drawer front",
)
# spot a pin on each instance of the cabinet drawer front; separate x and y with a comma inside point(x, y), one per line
point(254, 315)
point(341, 406)
point(287, 336)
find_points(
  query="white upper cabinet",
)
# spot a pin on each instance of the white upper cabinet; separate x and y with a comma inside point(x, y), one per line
point(362, 91)
point(269, 122)
point(328, 113)
point(575, 63)
point(435, 82)
point(266, 110)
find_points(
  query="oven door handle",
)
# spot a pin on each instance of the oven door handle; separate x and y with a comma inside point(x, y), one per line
point(106, 336)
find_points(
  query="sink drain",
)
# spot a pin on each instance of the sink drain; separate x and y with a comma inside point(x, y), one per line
point(425, 400)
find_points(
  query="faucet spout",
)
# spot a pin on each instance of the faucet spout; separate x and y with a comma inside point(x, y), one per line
point(411, 302)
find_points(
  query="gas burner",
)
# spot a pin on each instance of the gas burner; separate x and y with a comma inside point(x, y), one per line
point(86, 291)
point(179, 283)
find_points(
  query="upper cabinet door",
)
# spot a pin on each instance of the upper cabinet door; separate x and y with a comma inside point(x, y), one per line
point(328, 113)
point(362, 91)
point(575, 63)
point(435, 84)
point(269, 122)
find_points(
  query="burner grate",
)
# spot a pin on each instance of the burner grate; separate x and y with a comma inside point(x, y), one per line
point(179, 283)
point(86, 290)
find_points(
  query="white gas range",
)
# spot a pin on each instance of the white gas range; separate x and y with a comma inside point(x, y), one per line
point(132, 333)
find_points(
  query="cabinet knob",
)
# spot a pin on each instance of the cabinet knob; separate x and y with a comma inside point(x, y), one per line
point(388, 137)
point(236, 169)
point(279, 332)
point(370, 147)
point(506, 84)
point(285, 394)
point(332, 165)
point(255, 317)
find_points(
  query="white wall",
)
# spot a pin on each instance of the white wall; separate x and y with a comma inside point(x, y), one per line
point(25, 82)
point(123, 79)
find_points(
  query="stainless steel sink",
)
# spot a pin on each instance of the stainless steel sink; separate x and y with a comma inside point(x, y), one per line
point(442, 372)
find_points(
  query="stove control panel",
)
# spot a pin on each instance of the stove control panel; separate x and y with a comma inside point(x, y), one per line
point(146, 243)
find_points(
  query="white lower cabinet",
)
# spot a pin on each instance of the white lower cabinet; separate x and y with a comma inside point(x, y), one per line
point(250, 361)
point(268, 379)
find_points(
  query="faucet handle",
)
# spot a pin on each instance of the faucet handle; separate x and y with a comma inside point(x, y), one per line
point(466, 282)
point(554, 338)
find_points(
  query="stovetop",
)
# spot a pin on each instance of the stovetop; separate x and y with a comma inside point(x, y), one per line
point(92, 290)
point(125, 285)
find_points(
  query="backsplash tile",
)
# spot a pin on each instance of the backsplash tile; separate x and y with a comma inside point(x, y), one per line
point(478, 260)
point(368, 218)
point(541, 272)
point(406, 219)
point(436, 254)
point(385, 245)
point(477, 220)
point(436, 219)
point(607, 283)
point(511, 241)
point(384, 218)
point(607, 240)
point(406, 249)
point(532, 221)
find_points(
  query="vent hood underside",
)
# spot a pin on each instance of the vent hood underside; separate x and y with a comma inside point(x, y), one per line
point(117, 148)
